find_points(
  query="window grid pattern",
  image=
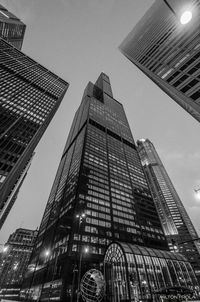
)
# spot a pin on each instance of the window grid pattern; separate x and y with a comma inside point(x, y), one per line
point(29, 97)
point(11, 28)
point(25, 103)
point(20, 245)
point(110, 200)
point(147, 271)
point(105, 182)
point(169, 53)
point(176, 222)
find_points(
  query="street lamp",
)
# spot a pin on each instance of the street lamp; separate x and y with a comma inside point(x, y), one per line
point(82, 251)
point(15, 266)
point(47, 253)
point(5, 248)
point(80, 217)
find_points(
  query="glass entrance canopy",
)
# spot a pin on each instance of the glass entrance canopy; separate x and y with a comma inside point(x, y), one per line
point(136, 273)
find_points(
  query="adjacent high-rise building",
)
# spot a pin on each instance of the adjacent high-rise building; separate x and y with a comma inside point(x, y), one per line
point(14, 261)
point(168, 52)
point(29, 97)
point(100, 195)
point(12, 29)
point(14, 194)
point(175, 221)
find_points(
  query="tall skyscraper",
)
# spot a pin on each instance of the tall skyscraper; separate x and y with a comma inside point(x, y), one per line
point(168, 52)
point(174, 218)
point(12, 29)
point(29, 97)
point(14, 261)
point(99, 195)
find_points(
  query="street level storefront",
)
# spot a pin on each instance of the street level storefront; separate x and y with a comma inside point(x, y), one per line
point(136, 273)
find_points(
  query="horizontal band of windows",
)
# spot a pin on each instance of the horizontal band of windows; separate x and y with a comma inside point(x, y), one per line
point(114, 135)
point(98, 222)
point(195, 95)
point(98, 207)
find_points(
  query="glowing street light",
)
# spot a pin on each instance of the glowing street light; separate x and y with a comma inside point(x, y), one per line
point(47, 253)
point(15, 266)
point(186, 17)
point(81, 217)
point(86, 250)
point(5, 248)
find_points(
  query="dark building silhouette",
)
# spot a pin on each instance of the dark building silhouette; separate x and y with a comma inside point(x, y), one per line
point(169, 52)
point(14, 192)
point(12, 29)
point(99, 195)
point(175, 221)
point(14, 261)
point(29, 97)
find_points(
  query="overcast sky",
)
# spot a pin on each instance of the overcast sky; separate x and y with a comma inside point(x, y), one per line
point(78, 39)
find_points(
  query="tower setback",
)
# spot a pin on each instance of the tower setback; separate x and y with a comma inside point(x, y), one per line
point(99, 195)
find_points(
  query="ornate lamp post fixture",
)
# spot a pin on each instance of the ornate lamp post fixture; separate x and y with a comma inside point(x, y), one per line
point(81, 217)
point(82, 251)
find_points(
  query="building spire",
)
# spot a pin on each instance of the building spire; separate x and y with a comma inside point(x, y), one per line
point(103, 82)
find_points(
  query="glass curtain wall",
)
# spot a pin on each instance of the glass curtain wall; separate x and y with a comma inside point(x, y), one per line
point(135, 273)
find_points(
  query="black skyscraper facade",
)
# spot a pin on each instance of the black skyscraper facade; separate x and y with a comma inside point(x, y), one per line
point(168, 52)
point(100, 175)
point(12, 29)
point(29, 97)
